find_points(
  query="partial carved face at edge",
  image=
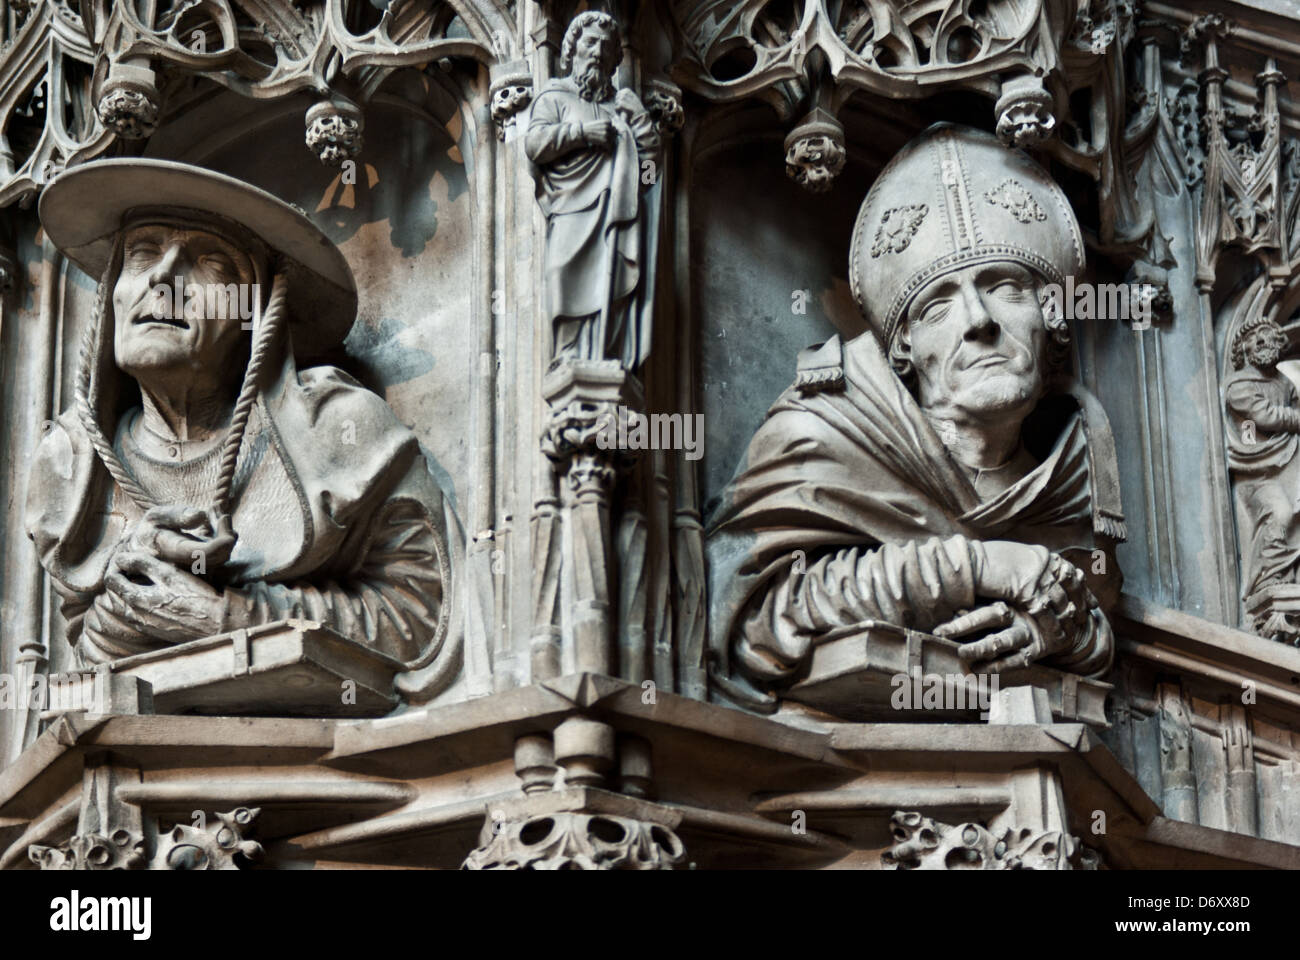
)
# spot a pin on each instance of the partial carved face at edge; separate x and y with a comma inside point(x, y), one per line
point(978, 343)
point(194, 343)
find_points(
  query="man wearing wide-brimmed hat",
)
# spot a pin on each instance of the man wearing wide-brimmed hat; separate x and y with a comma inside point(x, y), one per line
point(940, 472)
point(202, 482)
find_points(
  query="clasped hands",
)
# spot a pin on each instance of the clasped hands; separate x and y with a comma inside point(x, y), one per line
point(1042, 607)
point(154, 585)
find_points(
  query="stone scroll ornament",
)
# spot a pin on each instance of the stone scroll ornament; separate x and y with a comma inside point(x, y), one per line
point(1262, 410)
point(595, 149)
point(203, 481)
point(941, 472)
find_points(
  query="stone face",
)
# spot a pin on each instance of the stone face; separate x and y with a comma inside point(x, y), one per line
point(729, 436)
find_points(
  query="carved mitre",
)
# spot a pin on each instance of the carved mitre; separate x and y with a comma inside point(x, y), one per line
point(955, 196)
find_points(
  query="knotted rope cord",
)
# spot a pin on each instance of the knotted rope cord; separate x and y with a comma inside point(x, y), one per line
point(264, 338)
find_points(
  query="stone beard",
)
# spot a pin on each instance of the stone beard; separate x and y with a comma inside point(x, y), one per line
point(981, 503)
point(334, 516)
point(589, 144)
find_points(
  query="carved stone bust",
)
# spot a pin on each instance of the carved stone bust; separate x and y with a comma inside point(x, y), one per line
point(202, 481)
point(942, 472)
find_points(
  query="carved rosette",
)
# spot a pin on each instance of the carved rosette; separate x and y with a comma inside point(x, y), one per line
point(124, 850)
point(129, 106)
point(334, 131)
point(219, 845)
point(1025, 112)
point(814, 152)
point(925, 844)
point(575, 841)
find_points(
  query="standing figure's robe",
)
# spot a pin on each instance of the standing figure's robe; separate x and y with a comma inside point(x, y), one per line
point(594, 248)
point(1266, 473)
point(848, 508)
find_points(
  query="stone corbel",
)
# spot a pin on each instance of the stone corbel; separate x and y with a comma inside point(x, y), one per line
point(663, 101)
point(1025, 111)
point(921, 843)
point(579, 825)
point(512, 92)
point(129, 101)
point(335, 130)
point(814, 151)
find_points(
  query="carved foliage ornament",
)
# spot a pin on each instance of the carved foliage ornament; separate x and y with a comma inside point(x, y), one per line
point(897, 227)
point(220, 844)
point(575, 841)
point(921, 843)
point(1019, 202)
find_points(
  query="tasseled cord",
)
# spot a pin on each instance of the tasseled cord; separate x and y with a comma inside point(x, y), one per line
point(265, 337)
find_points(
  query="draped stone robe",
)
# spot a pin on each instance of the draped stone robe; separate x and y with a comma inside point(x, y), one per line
point(595, 249)
point(336, 516)
point(848, 507)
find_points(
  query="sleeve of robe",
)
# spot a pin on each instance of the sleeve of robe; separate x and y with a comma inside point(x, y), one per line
point(391, 597)
point(917, 585)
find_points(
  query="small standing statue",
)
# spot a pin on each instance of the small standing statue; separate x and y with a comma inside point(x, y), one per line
point(1264, 419)
point(591, 143)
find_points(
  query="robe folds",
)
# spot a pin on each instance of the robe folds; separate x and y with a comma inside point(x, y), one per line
point(596, 248)
point(1266, 473)
point(848, 507)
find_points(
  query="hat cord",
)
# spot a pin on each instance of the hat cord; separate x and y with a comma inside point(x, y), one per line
point(265, 338)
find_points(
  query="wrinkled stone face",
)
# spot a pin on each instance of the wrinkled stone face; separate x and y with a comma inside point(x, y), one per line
point(157, 328)
point(978, 343)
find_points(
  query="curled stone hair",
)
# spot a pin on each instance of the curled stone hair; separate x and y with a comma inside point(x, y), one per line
point(612, 52)
point(1058, 340)
point(1238, 354)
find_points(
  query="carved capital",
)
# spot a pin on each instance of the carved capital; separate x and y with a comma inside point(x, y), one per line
point(334, 131)
point(814, 152)
point(921, 843)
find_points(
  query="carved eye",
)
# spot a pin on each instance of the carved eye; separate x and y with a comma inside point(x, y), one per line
point(1008, 289)
point(143, 250)
point(217, 262)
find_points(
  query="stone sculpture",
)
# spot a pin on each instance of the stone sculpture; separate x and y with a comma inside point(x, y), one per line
point(956, 482)
point(203, 482)
point(590, 143)
point(1263, 413)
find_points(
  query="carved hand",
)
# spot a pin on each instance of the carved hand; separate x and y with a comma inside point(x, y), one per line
point(1045, 608)
point(599, 133)
point(627, 102)
point(153, 597)
point(181, 535)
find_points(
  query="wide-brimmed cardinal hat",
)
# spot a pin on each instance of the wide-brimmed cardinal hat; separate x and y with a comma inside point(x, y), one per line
point(86, 206)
